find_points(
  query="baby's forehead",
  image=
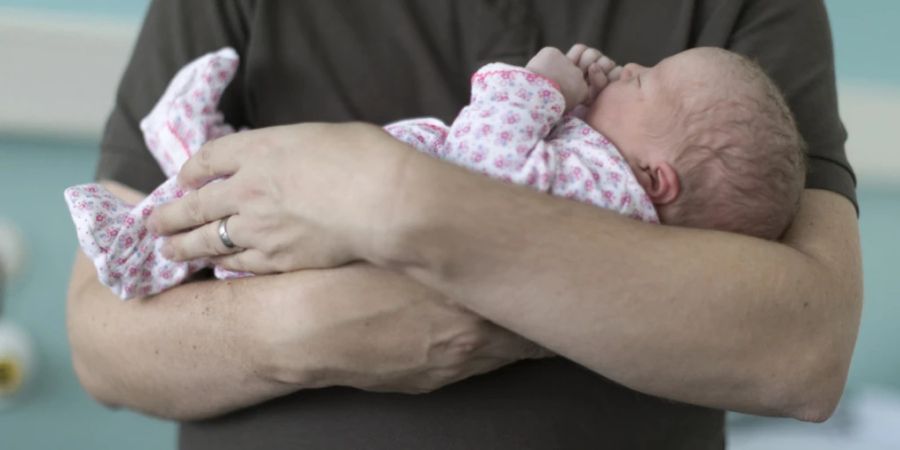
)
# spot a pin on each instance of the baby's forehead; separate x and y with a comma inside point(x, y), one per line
point(706, 74)
point(703, 64)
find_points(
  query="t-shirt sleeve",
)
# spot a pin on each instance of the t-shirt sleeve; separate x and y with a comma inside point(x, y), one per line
point(791, 40)
point(174, 33)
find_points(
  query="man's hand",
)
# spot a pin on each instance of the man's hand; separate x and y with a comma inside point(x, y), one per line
point(210, 347)
point(296, 197)
point(377, 330)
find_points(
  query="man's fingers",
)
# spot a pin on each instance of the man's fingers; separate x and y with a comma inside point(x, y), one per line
point(196, 208)
point(204, 241)
point(244, 260)
point(216, 159)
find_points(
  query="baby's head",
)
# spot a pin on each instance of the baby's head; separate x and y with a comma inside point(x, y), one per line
point(710, 139)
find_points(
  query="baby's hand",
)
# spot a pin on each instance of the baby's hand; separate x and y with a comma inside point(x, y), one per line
point(596, 68)
point(552, 63)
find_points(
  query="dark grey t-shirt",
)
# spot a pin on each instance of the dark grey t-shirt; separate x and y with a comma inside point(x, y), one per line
point(384, 60)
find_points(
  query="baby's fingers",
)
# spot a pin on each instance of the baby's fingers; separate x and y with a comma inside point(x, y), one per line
point(574, 53)
point(588, 57)
point(597, 80)
point(614, 74)
point(606, 64)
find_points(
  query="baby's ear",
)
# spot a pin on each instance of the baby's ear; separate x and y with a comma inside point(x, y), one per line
point(664, 184)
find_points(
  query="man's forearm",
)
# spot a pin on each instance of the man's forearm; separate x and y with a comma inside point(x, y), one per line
point(206, 348)
point(194, 351)
point(704, 317)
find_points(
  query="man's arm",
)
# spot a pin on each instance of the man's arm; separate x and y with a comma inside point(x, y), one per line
point(209, 347)
point(188, 353)
point(704, 317)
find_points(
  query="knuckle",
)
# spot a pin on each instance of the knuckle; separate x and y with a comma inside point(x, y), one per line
point(176, 247)
point(281, 263)
point(459, 354)
point(210, 240)
point(467, 343)
point(205, 153)
point(227, 262)
point(197, 168)
point(268, 247)
point(550, 51)
point(194, 211)
point(159, 221)
point(251, 192)
point(231, 262)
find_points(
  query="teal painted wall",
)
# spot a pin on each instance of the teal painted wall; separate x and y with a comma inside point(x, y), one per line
point(867, 46)
point(131, 10)
point(56, 413)
point(33, 172)
point(877, 358)
point(866, 39)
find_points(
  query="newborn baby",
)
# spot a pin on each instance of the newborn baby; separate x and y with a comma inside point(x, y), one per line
point(710, 139)
point(702, 139)
point(706, 137)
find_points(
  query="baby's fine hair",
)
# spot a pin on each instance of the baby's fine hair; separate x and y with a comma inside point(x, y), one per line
point(742, 161)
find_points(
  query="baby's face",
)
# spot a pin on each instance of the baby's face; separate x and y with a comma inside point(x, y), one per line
point(639, 111)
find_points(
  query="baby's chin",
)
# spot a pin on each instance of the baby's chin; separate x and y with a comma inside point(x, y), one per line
point(591, 115)
point(580, 111)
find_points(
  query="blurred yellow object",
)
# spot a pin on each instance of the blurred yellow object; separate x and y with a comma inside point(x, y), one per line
point(12, 253)
point(17, 363)
point(10, 375)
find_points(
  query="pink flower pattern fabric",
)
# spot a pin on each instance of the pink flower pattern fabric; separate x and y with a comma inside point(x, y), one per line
point(513, 129)
point(113, 233)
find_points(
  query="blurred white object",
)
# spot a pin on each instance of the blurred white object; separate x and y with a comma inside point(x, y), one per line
point(878, 416)
point(17, 362)
point(12, 252)
point(866, 419)
point(59, 69)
